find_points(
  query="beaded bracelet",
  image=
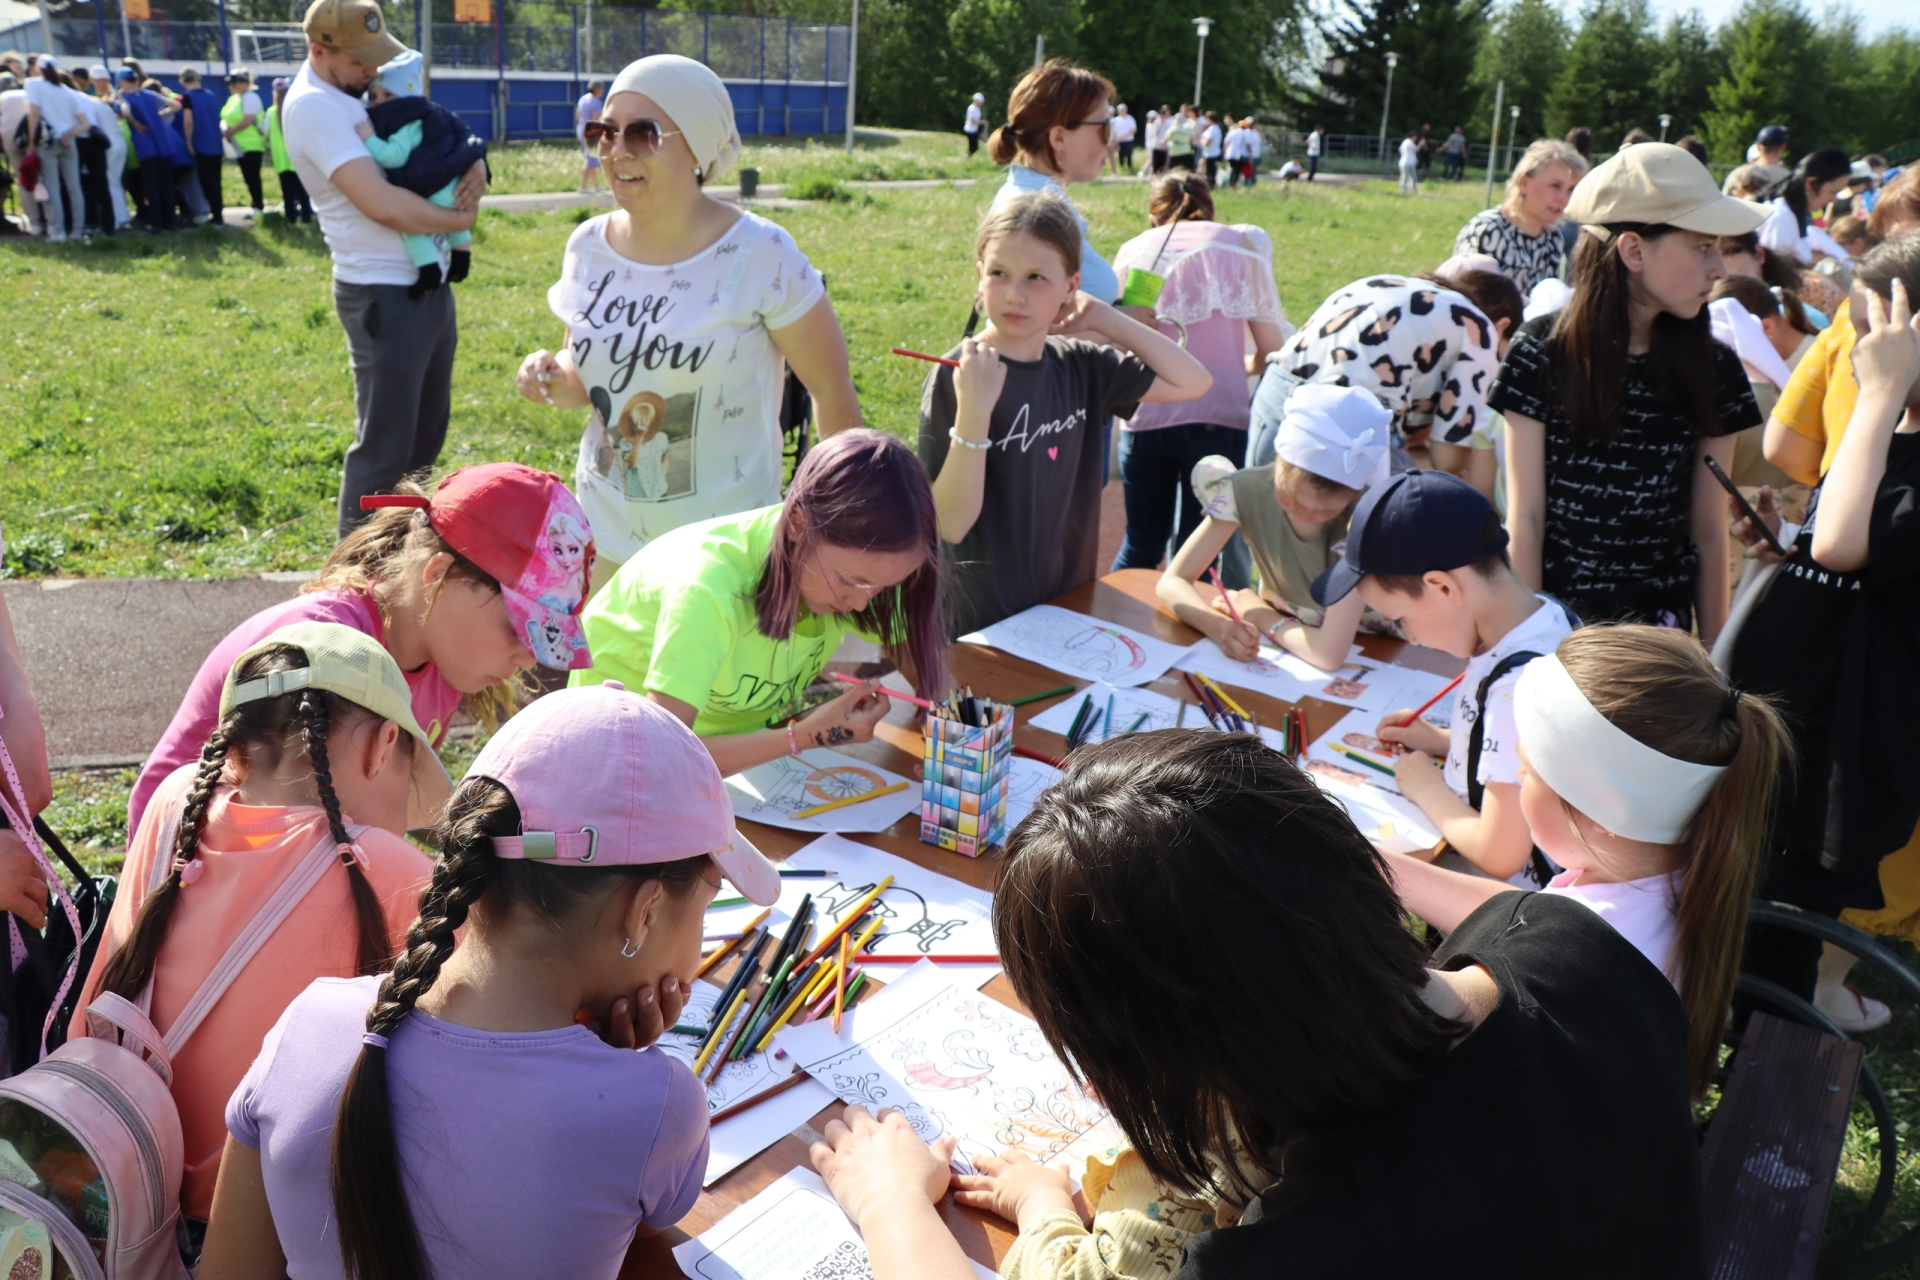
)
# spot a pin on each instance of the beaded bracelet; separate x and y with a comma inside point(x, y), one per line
point(953, 434)
point(793, 743)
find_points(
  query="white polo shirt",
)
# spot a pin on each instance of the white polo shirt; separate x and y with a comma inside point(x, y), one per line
point(319, 121)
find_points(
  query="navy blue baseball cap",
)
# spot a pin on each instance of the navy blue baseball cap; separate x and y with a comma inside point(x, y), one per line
point(1771, 136)
point(1416, 522)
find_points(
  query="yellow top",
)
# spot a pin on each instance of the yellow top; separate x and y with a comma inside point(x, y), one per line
point(1818, 398)
point(1139, 1227)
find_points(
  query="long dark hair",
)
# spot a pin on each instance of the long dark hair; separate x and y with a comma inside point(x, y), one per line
point(1589, 339)
point(378, 1239)
point(1820, 167)
point(261, 731)
point(864, 490)
point(1206, 939)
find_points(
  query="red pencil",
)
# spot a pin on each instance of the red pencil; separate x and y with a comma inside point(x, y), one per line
point(865, 958)
point(921, 355)
point(844, 678)
point(1224, 597)
point(1031, 754)
point(1428, 704)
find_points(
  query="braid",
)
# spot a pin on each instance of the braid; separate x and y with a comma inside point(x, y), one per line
point(131, 968)
point(378, 1238)
point(376, 945)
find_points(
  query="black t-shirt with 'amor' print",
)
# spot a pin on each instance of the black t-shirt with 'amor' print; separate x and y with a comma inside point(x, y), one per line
point(1618, 541)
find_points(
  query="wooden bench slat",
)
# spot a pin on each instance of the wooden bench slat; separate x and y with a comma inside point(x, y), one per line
point(1773, 1151)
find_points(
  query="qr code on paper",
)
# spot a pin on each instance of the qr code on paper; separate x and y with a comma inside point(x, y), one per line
point(848, 1261)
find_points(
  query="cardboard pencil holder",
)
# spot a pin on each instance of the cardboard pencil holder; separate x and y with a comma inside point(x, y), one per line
point(963, 789)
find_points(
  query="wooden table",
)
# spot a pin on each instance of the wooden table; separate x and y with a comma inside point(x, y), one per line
point(1125, 597)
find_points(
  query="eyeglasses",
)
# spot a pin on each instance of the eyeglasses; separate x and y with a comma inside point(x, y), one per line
point(643, 136)
point(1105, 127)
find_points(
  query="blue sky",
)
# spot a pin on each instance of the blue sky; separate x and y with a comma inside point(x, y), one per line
point(1875, 15)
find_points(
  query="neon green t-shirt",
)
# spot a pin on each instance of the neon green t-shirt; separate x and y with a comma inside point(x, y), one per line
point(678, 620)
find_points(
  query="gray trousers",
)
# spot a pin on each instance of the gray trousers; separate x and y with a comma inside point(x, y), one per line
point(402, 352)
point(60, 170)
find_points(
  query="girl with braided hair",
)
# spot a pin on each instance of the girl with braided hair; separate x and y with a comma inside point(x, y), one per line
point(314, 735)
point(388, 1122)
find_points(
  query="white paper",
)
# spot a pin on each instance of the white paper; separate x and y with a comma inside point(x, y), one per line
point(1392, 822)
point(1025, 781)
point(955, 1062)
point(793, 1230)
point(1276, 673)
point(1129, 705)
point(1080, 646)
point(773, 792)
point(738, 1139)
point(1355, 732)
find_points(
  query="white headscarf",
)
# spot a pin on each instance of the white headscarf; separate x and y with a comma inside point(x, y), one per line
point(1740, 329)
point(1548, 296)
point(1342, 434)
point(694, 96)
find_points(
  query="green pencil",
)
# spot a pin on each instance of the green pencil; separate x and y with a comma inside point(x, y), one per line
point(1353, 755)
point(1041, 697)
point(1137, 723)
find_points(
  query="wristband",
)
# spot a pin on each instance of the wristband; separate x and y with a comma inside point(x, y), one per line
point(793, 743)
point(953, 434)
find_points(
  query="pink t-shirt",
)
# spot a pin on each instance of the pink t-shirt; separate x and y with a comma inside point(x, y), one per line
point(1218, 277)
point(434, 700)
point(528, 1153)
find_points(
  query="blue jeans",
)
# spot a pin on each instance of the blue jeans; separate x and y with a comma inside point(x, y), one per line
point(1157, 469)
point(1269, 406)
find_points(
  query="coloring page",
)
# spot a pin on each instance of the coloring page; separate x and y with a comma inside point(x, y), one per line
point(1392, 822)
point(791, 1231)
point(776, 791)
point(955, 1062)
point(1025, 781)
point(738, 1139)
point(1129, 705)
point(1080, 646)
point(1355, 733)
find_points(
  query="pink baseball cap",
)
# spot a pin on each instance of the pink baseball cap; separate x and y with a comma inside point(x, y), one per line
point(526, 531)
point(605, 777)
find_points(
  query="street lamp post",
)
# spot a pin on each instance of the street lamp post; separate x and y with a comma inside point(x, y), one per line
point(1513, 134)
point(1393, 60)
point(1203, 26)
point(1665, 121)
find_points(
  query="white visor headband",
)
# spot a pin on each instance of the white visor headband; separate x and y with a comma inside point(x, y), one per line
point(1599, 768)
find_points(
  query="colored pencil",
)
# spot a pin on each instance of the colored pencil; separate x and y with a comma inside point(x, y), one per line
point(844, 678)
point(803, 874)
point(1031, 754)
point(1109, 720)
point(749, 967)
point(728, 1113)
point(1138, 721)
point(719, 1060)
point(688, 1029)
point(1351, 754)
point(706, 1050)
point(852, 917)
point(1200, 696)
point(1225, 697)
point(844, 801)
point(721, 951)
point(1299, 732)
point(1079, 718)
point(1225, 599)
point(795, 997)
point(921, 355)
point(737, 901)
point(866, 934)
point(840, 986)
point(1428, 704)
point(867, 958)
point(768, 998)
point(855, 985)
point(1041, 697)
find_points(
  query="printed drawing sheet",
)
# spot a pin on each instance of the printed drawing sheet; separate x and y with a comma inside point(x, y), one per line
point(955, 1062)
point(739, 1138)
point(1392, 822)
point(1364, 683)
point(1129, 705)
point(1080, 646)
point(1025, 781)
point(1355, 733)
point(791, 1231)
point(775, 791)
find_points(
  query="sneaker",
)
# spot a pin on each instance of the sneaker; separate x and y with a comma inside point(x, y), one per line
point(1855, 1013)
point(56, 237)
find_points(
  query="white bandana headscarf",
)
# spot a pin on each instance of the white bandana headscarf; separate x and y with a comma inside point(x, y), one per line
point(1342, 434)
point(1740, 329)
point(695, 98)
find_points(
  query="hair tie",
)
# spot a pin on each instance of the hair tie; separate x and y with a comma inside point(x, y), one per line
point(1730, 709)
point(188, 871)
point(374, 1040)
point(375, 501)
point(351, 851)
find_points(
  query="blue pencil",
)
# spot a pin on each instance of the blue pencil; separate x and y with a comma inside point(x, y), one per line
point(1109, 729)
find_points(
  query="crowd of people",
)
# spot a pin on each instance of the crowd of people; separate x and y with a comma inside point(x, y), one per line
point(1508, 458)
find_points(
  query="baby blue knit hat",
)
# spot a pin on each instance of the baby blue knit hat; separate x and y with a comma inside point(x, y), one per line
point(405, 76)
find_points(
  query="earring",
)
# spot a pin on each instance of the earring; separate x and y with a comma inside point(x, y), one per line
point(629, 951)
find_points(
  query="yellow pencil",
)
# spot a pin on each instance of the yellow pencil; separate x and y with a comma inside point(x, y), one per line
point(844, 801)
point(847, 921)
point(720, 952)
point(719, 1033)
point(1227, 698)
point(840, 986)
point(866, 936)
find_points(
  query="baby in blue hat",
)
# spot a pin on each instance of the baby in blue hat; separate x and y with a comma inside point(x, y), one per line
point(425, 148)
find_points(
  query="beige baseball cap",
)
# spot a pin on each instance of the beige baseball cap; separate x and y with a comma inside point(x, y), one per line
point(355, 28)
point(354, 665)
point(1657, 183)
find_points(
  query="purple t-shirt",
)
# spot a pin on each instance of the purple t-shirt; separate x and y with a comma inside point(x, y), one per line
point(532, 1153)
point(434, 700)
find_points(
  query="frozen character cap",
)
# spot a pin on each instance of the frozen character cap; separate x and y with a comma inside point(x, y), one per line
point(605, 777)
point(405, 76)
point(354, 665)
point(1417, 522)
point(353, 27)
point(697, 100)
point(1340, 434)
point(1658, 183)
point(525, 530)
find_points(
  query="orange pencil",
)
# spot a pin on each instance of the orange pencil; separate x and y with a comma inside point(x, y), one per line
point(721, 950)
point(847, 922)
point(840, 986)
point(1428, 704)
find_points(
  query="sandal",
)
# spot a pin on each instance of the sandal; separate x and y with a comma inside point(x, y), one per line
point(1873, 1014)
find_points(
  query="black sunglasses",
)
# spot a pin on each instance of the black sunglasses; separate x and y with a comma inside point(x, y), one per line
point(643, 135)
point(1105, 126)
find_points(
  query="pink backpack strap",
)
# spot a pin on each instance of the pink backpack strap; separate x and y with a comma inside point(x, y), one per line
point(109, 1013)
point(13, 802)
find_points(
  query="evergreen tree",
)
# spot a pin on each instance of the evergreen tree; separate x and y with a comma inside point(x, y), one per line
point(1604, 83)
point(1688, 64)
point(1526, 47)
point(1438, 42)
point(1774, 76)
point(1149, 51)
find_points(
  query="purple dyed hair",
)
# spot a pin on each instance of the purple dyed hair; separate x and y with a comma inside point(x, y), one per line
point(864, 490)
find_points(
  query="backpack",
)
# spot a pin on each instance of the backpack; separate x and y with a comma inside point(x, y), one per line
point(90, 1139)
